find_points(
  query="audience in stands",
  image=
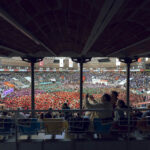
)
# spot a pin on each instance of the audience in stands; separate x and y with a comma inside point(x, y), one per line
point(119, 113)
point(147, 113)
point(20, 115)
point(67, 115)
point(114, 98)
point(5, 115)
point(49, 113)
point(66, 96)
point(68, 80)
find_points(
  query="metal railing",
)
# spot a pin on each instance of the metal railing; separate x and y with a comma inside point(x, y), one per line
point(72, 124)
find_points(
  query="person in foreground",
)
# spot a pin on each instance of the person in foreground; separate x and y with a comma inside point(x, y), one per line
point(105, 106)
point(104, 113)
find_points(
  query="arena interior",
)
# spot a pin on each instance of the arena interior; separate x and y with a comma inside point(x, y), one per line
point(57, 81)
point(74, 74)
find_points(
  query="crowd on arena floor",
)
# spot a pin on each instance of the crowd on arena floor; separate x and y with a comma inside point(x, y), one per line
point(45, 100)
point(67, 88)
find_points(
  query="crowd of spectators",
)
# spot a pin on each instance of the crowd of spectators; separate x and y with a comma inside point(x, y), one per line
point(110, 108)
point(139, 80)
point(66, 88)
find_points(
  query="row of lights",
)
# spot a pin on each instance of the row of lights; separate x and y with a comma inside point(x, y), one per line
point(118, 63)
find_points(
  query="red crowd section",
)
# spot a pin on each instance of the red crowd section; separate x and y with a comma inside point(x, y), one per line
point(55, 100)
point(45, 101)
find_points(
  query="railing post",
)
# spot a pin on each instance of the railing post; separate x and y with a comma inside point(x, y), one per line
point(81, 61)
point(16, 129)
point(81, 84)
point(128, 62)
point(32, 60)
point(32, 89)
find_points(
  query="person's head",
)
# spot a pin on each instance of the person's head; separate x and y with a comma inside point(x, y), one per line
point(41, 116)
point(5, 113)
point(50, 110)
point(106, 98)
point(114, 97)
point(121, 104)
point(114, 94)
point(91, 97)
point(65, 106)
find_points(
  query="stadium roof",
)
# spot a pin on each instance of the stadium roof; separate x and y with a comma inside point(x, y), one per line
point(75, 28)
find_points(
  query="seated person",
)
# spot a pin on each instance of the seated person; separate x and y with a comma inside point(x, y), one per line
point(67, 115)
point(49, 113)
point(20, 115)
point(5, 115)
point(147, 113)
point(119, 112)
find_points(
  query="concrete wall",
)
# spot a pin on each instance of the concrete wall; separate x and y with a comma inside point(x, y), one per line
point(78, 145)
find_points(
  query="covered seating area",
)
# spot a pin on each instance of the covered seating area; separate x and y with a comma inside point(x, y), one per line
point(80, 30)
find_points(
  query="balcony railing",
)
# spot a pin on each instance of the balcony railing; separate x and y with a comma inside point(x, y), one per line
point(72, 124)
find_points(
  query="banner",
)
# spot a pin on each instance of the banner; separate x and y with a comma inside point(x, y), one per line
point(61, 62)
point(70, 63)
point(41, 63)
point(140, 60)
point(83, 78)
point(9, 84)
point(7, 92)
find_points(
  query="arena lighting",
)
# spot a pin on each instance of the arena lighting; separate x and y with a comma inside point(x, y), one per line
point(128, 59)
point(104, 60)
point(81, 59)
point(146, 59)
point(56, 61)
point(118, 63)
point(34, 59)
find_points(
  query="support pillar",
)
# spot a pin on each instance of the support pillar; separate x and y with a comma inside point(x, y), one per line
point(32, 61)
point(128, 61)
point(81, 61)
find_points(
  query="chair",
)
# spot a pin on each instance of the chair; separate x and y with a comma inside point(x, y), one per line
point(55, 126)
point(5, 127)
point(101, 127)
point(28, 126)
point(144, 124)
point(78, 126)
point(123, 128)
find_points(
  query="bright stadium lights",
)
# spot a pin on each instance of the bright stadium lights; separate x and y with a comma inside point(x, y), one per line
point(118, 63)
point(104, 59)
point(146, 59)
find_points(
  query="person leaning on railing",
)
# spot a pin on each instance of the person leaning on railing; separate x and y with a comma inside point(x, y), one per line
point(105, 106)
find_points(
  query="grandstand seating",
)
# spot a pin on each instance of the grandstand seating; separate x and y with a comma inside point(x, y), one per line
point(101, 127)
point(55, 126)
point(28, 126)
point(78, 126)
point(6, 127)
